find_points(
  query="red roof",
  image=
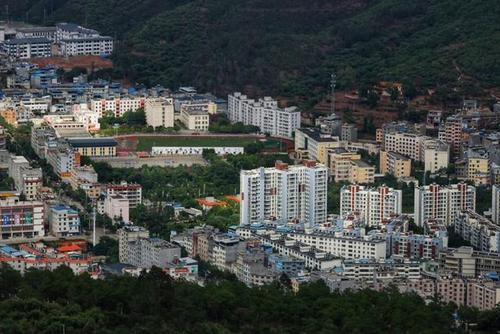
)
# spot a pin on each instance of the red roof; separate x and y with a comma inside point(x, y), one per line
point(69, 248)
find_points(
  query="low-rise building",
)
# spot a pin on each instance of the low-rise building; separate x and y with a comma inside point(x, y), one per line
point(159, 112)
point(21, 219)
point(316, 143)
point(395, 164)
point(26, 48)
point(94, 147)
point(195, 119)
point(131, 191)
point(63, 220)
point(126, 235)
point(116, 207)
point(347, 166)
point(435, 154)
point(149, 252)
point(481, 233)
point(96, 45)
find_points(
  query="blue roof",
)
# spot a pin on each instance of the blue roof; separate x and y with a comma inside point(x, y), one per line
point(8, 250)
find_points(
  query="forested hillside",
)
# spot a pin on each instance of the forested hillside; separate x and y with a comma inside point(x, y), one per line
point(289, 47)
point(58, 302)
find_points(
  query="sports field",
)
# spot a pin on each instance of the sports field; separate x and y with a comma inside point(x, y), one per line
point(145, 143)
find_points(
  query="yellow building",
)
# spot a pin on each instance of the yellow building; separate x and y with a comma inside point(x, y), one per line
point(361, 172)
point(10, 116)
point(315, 143)
point(94, 147)
point(475, 169)
point(347, 166)
point(395, 164)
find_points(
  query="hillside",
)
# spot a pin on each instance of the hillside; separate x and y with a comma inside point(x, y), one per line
point(289, 47)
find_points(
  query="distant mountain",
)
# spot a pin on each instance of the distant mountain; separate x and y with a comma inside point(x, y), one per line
point(289, 47)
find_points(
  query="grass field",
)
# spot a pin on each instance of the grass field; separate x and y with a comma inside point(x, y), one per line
point(145, 143)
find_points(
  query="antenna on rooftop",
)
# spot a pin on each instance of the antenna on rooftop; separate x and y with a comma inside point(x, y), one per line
point(333, 84)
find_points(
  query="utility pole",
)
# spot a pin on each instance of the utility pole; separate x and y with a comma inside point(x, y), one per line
point(333, 84)
point(93, 226)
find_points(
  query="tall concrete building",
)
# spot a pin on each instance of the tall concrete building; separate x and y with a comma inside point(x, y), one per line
point(443, 202)
point(284, 193)
point(374, 205)
point(495, 204)
point(159, 112)
point(451, 133)
point(265, 114)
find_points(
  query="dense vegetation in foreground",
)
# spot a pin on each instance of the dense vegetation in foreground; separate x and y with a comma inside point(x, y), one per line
point(51, 302)
point(288, 47)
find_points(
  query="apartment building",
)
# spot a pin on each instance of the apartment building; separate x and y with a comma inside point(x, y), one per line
point(126, 235)
point(21, 219)
point(483, 295)
point(395, 164)
point(347, 166)
point(418, 246)
point(224, 251)
point(251, 269)
point(87, 117)
point(159, 112)
point(63, 159)
point(148, 252)
point(28, 180)
point(284, 193)
point(26, 48)
point(451, 132)
point(443, 202)
point(495, 204)
point(344, 247)
point(407, 144)
point(131, 191)
point(117, 208)
point(475, 166)
point(370, 270)
point(195, 119)
point(374, 205)
point(467, 262)
point(96, 45)
point(435, 154)
point(73, 31)
point(94, 147)
point(37, 32)
point(63, 220)
point(480, 232)
point(315, 143)
point(117, 106)
point(348, 132)
point(265, 114)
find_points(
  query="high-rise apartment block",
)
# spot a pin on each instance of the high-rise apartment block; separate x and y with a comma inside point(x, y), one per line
point(443, 202)
point(265, 114)
point(374, 205)
point(284, 193)
point(451, 133)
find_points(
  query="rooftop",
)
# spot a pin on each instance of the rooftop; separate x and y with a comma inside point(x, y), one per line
point(28, 41)
point(86, 142)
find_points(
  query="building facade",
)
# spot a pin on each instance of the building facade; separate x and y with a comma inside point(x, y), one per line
point(265, 114)
point(443, 202)
point(284, 193)
point(375, 205)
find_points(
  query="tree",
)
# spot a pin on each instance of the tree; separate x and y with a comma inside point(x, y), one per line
point(372, 99)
